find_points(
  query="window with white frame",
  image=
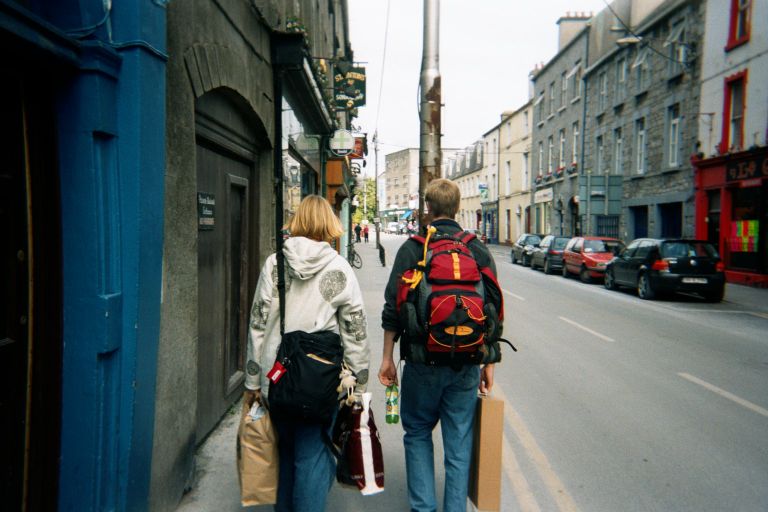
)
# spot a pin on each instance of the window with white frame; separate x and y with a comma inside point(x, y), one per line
point(574, 81)
point(540, 164)
point(538, 108)
point(561, 152)
point(507, 177)
point(563, 89)
point(641, 68)
point(602, 100)
point(733, 122)
point(551, 154)
point(621, 79)
point(673, 135)
point(640, 146)
point(551, 98)
point(599, 155)
point(575, 145)
point(677, 50)
point(525, 171)
point(526, 128)
point(618, 152)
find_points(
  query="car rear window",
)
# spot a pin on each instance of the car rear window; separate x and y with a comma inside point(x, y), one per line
point(602, 245)
point(560, 243)
point(533, 239)
point(688, 250)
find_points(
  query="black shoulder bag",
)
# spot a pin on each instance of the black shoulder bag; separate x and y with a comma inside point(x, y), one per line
point(304, 380)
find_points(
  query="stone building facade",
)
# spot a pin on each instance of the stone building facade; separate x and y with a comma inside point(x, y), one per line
point(642, 92)
point(558, 112)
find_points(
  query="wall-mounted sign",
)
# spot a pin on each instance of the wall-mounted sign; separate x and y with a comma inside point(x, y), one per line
point(349, 89)
point(751, 168)
point(543, 196)
point(206, 210)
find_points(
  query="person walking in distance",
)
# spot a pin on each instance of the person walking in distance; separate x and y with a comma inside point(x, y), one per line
point(433, 391)
point(358, 229)
point(365, 233)
point(321, 294)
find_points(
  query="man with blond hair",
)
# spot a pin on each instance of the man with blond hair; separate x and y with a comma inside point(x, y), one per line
point(431, 392)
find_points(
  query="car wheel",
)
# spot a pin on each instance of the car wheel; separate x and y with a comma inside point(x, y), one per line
point(715, 296)
point(609, 282)
point(644, 290)
point(526, 261)
point(584, 275)
point(513, 258)
point(547, 267)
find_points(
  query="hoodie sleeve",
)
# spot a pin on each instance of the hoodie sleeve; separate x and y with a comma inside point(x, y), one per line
point(353, 328)
point(262, 301)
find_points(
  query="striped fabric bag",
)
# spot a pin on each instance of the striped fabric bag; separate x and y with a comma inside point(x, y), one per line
point(361, 463)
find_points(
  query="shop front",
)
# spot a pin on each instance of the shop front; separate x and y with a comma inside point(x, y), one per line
point(732, 212)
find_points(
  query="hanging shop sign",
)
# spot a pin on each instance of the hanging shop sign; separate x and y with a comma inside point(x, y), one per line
point(342, 143)
point(349, 88)
point(360, 148)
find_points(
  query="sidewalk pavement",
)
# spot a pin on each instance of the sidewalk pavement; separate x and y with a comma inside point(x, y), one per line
point(216, 487)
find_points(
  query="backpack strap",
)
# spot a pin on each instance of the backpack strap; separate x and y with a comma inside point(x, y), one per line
point(465, 237)
point(418, 274)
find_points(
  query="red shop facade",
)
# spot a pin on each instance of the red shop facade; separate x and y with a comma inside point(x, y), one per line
point(732, 212)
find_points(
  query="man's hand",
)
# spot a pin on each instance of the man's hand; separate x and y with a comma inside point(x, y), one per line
point(486, 379)
point(388, 371)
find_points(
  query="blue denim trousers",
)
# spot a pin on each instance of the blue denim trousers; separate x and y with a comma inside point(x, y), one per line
point(431, 394)
point(307, 467)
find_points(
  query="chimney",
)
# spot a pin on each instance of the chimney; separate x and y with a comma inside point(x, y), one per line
point(569, 26)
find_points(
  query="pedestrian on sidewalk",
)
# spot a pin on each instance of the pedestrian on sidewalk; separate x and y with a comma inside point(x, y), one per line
point(432, 393)
point(358, 229)
point(365, 233)
point(321, 294)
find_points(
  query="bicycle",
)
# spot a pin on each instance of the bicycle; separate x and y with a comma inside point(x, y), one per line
point(353, 257)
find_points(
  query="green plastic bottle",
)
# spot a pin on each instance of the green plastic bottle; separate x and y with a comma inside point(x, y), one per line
point(393, 408)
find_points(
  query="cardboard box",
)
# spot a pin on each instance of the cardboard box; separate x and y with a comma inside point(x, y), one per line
point(485, 472)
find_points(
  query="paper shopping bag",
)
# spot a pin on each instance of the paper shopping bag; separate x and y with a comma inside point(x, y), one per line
point(257, 459)
point(485, 473)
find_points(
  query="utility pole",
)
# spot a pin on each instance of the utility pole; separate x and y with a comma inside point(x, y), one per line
point(377, 212)
point(430, 156)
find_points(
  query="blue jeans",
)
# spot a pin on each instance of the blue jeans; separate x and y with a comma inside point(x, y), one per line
point(307, 467)
point(431, 394)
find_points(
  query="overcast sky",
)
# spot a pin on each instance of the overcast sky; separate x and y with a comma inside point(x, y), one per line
point(487, 49)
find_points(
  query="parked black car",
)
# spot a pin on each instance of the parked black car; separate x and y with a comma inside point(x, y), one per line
point(523, 248)
point(549, 254)
point(656, 266)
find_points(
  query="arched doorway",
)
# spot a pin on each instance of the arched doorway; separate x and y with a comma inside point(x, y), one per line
point(227, 224)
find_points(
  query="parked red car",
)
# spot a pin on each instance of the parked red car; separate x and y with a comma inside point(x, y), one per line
point(588, 255)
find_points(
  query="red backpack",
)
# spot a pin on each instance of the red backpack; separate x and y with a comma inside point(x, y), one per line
point(450, 308)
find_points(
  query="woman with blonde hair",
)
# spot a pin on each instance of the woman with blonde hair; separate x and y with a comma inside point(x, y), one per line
point(321, 294)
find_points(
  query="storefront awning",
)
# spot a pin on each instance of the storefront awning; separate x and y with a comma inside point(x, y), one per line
point(406, 215)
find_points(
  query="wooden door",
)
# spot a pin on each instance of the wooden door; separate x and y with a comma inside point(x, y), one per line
point(224, 181)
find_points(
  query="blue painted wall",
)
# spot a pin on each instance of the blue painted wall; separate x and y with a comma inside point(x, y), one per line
point(111, 125)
